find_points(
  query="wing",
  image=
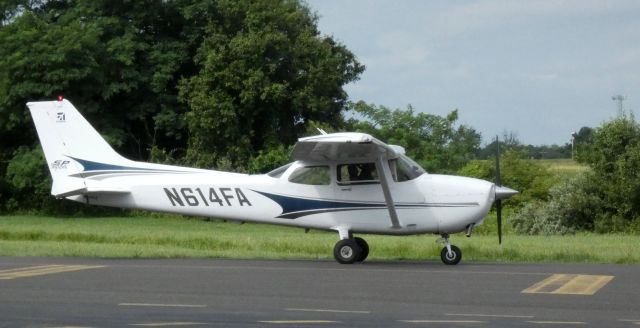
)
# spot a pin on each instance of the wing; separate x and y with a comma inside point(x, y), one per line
point(343, 146)
point(351, 146)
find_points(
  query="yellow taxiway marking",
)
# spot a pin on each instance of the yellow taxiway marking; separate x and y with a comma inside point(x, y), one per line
point(558, 322)
point(163, 305)
point(165, 324)
point(327, 310)
point(43, 270)
point(572, 284)
point(442, 321)
point(299, 322)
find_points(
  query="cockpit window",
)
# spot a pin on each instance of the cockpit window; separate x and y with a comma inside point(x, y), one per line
point(277, 173)
point(362, 173)
point(311, 175)
point(404, 168)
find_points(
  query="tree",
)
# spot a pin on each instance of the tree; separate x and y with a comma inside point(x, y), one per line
point(119, 62)
point(433, 141)
point(604, 199)
point(614, 156)
point(217, 80)
point(264, 72)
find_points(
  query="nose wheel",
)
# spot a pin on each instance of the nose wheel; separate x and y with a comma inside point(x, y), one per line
point(450, 254)
point(451, 258)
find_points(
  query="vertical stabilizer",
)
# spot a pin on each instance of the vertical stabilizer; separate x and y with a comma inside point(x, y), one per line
point(67, 137)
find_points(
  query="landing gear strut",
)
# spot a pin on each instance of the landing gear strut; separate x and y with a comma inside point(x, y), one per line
point(351, 250)
point(450, 254)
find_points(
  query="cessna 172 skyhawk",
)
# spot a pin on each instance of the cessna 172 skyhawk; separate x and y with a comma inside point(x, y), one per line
point(344, 182)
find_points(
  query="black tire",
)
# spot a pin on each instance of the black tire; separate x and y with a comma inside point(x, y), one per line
point(454, 259)
point(346, 251)
point(364, 249)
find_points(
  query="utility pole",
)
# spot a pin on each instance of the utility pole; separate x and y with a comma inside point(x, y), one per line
point(573, 144)
point(619, 99)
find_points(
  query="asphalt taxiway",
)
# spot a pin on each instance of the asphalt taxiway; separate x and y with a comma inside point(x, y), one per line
point(72, 292)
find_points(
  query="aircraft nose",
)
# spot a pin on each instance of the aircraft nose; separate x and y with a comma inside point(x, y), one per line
point(504, 192)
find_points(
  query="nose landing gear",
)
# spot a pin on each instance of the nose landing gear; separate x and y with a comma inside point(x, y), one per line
point(450, 254)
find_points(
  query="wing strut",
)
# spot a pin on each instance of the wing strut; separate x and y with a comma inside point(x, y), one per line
point(395, 223)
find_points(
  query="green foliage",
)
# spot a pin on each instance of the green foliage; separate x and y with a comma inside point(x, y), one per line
point(270, 159)
point(603, 199)
point(208, 83)
point(573, 205)
point(533, 219)
point(433, 141)
point(264, 72)
point(25, 174)
point(614, 157)
point(529, 177)
point(119, 62)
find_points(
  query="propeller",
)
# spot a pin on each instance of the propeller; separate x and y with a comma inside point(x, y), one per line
point(501, 192)
point(498, 184)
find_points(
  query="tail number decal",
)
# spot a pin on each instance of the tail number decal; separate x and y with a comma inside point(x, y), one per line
point(212, 197)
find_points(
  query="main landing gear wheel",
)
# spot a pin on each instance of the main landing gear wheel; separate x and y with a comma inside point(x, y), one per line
point(364, 249)
point(451, 258)
point(347, 251)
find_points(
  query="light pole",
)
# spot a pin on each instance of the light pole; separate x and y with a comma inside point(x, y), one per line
point(619, 99)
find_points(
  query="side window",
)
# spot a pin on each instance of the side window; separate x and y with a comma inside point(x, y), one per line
point(362, 173)
point(311, 175)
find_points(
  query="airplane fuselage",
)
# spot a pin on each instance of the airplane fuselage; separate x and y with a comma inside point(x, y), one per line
point(427, 204)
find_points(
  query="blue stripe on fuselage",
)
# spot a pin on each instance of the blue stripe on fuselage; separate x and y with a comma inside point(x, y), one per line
point(295, 207)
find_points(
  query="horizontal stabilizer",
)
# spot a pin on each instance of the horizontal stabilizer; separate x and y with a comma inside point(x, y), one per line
point(66, 186)
point(72, 186)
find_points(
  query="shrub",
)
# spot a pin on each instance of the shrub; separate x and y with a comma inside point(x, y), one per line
point(529, 177)
point(574, 205)
point(540, 219)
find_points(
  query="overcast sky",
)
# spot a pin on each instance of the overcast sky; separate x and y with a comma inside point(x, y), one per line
point(542, 69)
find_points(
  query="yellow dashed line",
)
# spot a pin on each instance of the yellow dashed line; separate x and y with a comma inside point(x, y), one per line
point(43, 270)
point(572, 284)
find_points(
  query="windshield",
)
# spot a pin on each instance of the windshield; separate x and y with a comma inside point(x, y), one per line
point(404, 168)
point(279, 171)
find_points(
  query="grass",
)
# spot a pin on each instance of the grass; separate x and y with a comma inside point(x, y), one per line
point(174, 237)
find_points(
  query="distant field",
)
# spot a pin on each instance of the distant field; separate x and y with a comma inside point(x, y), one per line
point(563, 165)
point(174, 237)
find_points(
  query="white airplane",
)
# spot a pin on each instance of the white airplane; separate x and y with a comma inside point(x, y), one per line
point(344, 182)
